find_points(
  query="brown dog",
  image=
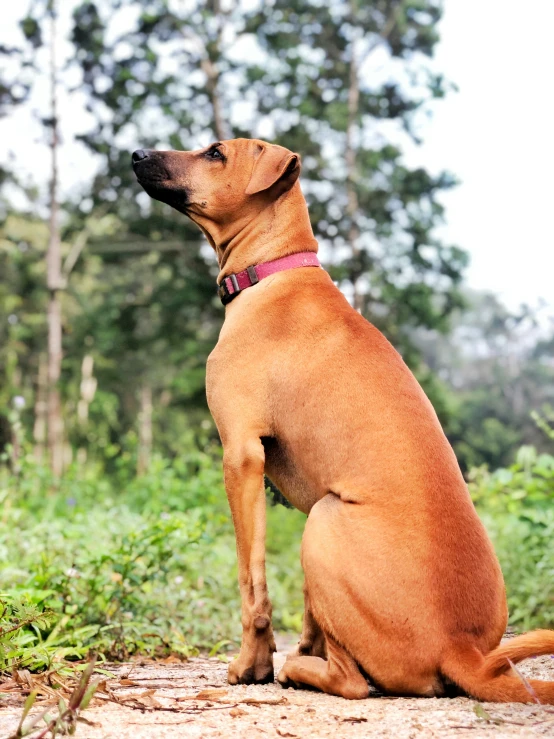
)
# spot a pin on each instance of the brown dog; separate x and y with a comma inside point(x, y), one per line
point(400, 576)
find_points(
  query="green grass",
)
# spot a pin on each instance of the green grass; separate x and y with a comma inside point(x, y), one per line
point(123, 565)
point(149, 568)
point(517, 507)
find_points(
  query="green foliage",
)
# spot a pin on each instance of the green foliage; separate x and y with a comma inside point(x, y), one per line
point(22, 303)
point(147, 567)
point(517, 506)
point(140, 300)
point(109, 561)
point(376, 215)
point(19, 622)
point(497, 378)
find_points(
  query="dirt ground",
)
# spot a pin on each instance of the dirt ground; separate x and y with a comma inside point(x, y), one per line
point(194, 700)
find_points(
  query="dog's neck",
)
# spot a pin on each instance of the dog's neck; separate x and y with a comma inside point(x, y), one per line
point(274, 230)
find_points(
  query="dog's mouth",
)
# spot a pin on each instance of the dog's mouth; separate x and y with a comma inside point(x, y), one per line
point(155, 178)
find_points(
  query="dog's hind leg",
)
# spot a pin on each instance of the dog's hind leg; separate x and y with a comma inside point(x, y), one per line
point(312, 640)
point(370, 604)
point(338, 675)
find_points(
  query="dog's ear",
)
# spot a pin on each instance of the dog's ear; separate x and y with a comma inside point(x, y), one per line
point(274, 164)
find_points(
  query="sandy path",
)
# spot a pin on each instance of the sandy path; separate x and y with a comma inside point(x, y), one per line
point(166, 706)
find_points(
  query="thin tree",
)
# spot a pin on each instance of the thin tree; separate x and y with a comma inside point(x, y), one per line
point(357, 59)
point(54, 272)
point(209, 65)
point(145, 430)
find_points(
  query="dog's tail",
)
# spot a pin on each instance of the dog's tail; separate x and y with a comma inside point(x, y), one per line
point(488, 678)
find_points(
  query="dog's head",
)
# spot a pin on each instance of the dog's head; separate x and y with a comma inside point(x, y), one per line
point(220, 183)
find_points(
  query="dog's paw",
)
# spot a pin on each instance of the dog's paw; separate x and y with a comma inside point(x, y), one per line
point(284, 680)
point(259, 674)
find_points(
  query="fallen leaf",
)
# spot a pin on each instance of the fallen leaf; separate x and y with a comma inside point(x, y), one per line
point(150, 702)
point(262, 702)
point(145, 699)
point(481, 713)
point(23, 677)
point(234, 712)
point(83, 720)
point(211, 694)
point(171, 660)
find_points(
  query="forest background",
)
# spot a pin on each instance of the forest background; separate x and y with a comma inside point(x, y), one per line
point(115, 533)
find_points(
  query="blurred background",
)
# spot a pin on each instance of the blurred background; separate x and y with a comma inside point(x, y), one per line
point(425, 133)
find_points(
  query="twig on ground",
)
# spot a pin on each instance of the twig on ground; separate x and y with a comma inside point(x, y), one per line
point(526, 684)
point(204, 695)
point(69, 714)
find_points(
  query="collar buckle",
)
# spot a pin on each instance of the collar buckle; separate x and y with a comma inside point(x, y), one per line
point(224, 294)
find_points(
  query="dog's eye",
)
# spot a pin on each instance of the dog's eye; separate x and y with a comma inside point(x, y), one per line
point(214, 154)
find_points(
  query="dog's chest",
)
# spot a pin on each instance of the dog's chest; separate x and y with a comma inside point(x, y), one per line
point(287, 477)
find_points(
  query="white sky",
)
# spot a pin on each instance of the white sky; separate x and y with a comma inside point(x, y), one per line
point(496, 135)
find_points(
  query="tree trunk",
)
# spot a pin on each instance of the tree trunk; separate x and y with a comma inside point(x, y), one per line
point(54, 278)
point(145, 430)
point(88, 391)
point(88, 388)
point(209, 67)
point(212, 75)
point(350, 156)
point(41, 408)
point(55, 421)
point(352, 204)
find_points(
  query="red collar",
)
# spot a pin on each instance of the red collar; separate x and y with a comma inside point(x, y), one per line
point(232, 285)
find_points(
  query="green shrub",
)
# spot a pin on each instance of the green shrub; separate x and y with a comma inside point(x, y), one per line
point(147, 565)
point(517, 506)
point(147, 568)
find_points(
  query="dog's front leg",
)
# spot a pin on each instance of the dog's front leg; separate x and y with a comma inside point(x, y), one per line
point(243, 467)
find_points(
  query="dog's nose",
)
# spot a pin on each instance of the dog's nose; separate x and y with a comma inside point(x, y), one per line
point(139, 155)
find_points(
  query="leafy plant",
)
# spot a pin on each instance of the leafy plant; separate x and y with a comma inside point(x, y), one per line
point(148, 568)
point(516, 505)
point(65, 722)
point(124, 565)
point(19, 623)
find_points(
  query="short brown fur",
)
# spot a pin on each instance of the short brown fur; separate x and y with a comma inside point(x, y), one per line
point(402, 583)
